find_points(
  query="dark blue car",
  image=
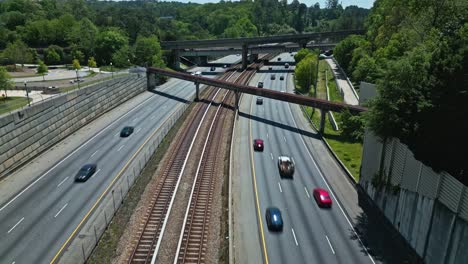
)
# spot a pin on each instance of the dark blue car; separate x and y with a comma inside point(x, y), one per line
point(85, 172)
point(274, 219)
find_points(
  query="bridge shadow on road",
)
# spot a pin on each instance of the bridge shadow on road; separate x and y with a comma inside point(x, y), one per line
point(383, 242)
point(170, 96)
point(280, 125)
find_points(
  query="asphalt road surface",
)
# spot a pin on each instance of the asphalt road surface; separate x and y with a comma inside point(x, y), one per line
point(36, 221)
point(310, 234)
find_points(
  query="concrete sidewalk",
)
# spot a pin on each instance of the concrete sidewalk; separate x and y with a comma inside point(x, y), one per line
point(343, 84)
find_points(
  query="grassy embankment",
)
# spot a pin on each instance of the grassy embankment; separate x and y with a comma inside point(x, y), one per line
point(348, 150)
point(11, 103)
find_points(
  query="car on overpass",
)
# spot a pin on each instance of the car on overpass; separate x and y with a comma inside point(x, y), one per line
point(322, 198)
point(258, 144)
point(279, 58)
point(286, 65)
point(273, 219)
point(85, 172)
point(260, 85)
point(213, 68)
point(281, 78)
point(286, 166)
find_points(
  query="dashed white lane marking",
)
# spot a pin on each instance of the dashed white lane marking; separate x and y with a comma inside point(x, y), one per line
point(116, 134)
point(284, 139)
point(62, 182)
point(13, 262)
point(138, 130)
point(97, 172)
point(307, 192)
point(333, 251)
point(153, 117)
point(61, 209)
point(294, 235)
point(271, 155)
point(268, 136)
point(121, 147)
point(19, 222)
point(95, 153)
point(279, 185)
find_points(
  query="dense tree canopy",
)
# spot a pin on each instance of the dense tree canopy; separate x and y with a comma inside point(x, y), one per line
point(84, 27)
point(417, 54)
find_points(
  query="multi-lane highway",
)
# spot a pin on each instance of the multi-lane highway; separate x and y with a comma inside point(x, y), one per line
point(310, 234)
point(37, 219)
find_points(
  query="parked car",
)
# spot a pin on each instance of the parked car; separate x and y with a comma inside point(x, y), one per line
point(273, 219)
point(260, 85)
point(85, 172)
point(272, 77)
point(281, 78)
point(258, 144)
point(259, 101)
point(286, 166)
point(126, 131)
point(322, 197)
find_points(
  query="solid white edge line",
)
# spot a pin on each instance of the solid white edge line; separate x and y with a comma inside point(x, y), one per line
point(61, 209)
point(73, 152)
point(329, 243)
point(166, 218)
point(62, 181)
point(307, 192)
point(331, 192)
point(176, 259)
point(19, 222)
point(294, 235)
point(94, 153)
point(120, 148)
point(279, 185)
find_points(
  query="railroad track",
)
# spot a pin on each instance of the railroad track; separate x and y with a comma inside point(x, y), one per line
point(195, 228)
point(150, 230)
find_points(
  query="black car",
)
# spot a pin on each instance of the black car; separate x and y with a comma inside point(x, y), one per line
point(281, 78)
point(260, 85)
point(85, 172)
point(274, 219)
point(328, 52)
point(279, 58)
point(213, 68)
point(259, 100)
point(270, 68)
point(126, 131)
point(272, 77)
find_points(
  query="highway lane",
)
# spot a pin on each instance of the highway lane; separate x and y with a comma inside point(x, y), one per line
point(309, 233)
point(37, 223)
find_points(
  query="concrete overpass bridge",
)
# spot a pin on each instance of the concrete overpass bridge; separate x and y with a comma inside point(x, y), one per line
point(243, 44)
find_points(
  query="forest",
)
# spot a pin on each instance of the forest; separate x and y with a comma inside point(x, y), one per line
point(416, 52)
point(58, 31)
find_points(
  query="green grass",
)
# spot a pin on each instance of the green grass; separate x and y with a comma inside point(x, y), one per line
point(12, 103)
point(347, 150)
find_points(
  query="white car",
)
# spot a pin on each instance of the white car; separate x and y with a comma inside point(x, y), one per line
point(286, 166)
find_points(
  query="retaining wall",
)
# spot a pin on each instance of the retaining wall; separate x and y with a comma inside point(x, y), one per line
point(29, 131)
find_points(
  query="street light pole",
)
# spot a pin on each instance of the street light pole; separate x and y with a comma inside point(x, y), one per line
point(112, 71)
point(27, 93)
point(77, 79)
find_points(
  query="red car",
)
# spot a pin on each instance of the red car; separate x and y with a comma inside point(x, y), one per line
point(258, 145)
point(322, 197)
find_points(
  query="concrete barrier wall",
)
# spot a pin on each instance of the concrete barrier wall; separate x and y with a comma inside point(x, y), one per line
point(87, 238)
point(29, 131)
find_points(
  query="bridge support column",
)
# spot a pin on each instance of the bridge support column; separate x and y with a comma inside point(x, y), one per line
point(322, 121)
point(237, 94)
point(245, 51)
point(303, 44)
point(204, 60)
point(176, 54)
point(150, 81)
point(197, 91)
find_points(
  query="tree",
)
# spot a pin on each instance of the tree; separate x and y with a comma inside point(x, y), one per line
point(306, 72)
point(5, 80)
point(77, 54)
point(121, 58)
point(54, 55)
point(42, 69)
point(92, 63)
point(146, 48)
point(343, 51)
point(76, 64)
point(18, 51)
point(109, 42)
point(301, 54)
point(352, 126)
